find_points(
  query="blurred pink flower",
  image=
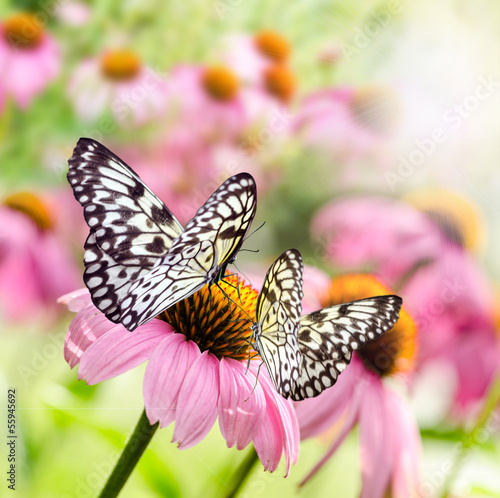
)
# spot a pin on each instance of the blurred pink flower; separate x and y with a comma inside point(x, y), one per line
point(29, 58)
point(207, 102)
point(442, 284)
point(191, 378)
point(388, 237)
point(452, 303)
point(389, 437)
point(349, 124)
point(35, 268)
point(117, 82)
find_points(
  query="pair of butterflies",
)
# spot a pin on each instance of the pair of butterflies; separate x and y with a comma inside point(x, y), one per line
point(139, 261)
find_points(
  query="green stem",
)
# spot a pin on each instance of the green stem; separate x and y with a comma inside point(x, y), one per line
point(242, 473)
point(473, 436)
point(133, 450)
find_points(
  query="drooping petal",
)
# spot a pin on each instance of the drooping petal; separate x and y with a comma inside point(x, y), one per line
point(241, 403)
point(76, 300)
point(167, 368)
point(197, 402)
point(119, 350)
point(287, 427)
point(377, 451)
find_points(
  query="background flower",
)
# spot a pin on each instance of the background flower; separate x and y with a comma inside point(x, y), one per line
point(29, 58)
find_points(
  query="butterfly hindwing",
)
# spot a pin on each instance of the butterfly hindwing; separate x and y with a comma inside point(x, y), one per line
point(130, 228)
point(327, 338)
point(199, 255)
point(277, 319)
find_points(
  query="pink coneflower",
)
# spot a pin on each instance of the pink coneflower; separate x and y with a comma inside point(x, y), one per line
point(207, 101)
point(389, 438)
point(29, 58)
point(425, 253)
point(120, 83)
point(34, 266)
point(197, 353)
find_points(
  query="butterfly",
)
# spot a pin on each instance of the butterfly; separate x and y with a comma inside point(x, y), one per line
point(304, 355)
point(139, 260)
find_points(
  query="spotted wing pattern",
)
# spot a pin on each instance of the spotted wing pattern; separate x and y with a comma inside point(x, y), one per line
point(200, 255)
point(277, 320)
point(327, 338)
point(130, 228)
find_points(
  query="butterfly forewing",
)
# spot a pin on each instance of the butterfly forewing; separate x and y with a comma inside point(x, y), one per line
point(199, 255)
point(277, 319)
point(130, 228)
point(328, 337)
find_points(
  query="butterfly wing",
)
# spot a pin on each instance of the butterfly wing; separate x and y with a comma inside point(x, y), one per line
point(327, 338)
point(278, 314)
point(130, 228)
point(208, 244)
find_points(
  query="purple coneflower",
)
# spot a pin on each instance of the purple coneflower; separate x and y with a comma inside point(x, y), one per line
point(197, 354)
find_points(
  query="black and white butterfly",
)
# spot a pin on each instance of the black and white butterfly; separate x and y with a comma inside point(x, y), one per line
point(304, 355)
point(139, 260)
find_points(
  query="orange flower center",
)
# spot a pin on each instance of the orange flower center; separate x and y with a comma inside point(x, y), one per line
point(273, 45)
point(31, 206)
point(394, 351)
point(216, 323)
point(120, 65)
point(23, 31)
point(220, 83)
point(376, 108)
point(280, 82)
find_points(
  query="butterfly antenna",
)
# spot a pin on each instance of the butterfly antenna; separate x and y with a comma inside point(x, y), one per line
point(237, 286)
point(256, 230)
point(236, 304)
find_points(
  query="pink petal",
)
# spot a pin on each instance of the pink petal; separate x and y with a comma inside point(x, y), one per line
point(76, 300)
point(377, 451)
point(286, 431)
point(197, 402)
point(268, 442)
point(241, 404)
point(165, 373)
point(119, 350)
